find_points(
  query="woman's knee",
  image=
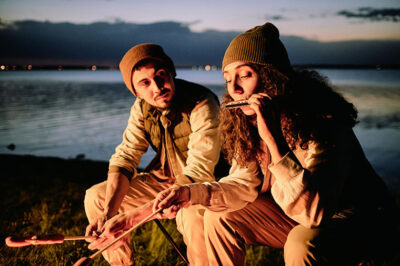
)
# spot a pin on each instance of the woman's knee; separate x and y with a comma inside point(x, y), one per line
point(299, 248)
point(216, 221)
point(188, 220)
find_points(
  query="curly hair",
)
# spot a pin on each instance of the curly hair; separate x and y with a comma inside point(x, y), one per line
point(304, 105)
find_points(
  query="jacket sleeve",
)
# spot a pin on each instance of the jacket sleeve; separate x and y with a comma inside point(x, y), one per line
point(309, 193)
point(204, 141)
point(134, 144)
point(230, 193)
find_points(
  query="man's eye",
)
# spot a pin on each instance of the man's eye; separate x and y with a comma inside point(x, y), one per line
point(228, 81)
point(144, 83)
point(162, 73)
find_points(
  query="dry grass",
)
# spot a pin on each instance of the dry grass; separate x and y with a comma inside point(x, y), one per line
point(45, 195)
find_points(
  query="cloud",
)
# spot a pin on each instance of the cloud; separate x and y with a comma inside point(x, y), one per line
point(373, 14)
point(104, 43)
point(274, 17)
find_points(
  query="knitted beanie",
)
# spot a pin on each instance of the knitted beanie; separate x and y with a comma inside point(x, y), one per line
point(139, 53)
point(259, 45)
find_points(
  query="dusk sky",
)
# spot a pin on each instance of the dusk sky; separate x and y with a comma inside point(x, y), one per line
point(321, 20)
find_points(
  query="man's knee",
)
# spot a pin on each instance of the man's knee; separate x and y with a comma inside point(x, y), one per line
point(299, 249)
point(95, 195)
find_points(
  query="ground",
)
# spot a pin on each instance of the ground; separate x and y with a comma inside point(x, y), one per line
point(44, 195)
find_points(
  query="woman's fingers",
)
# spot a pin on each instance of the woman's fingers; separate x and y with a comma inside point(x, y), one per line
point(161, 199)
point(263, 94)
point(170, 213)
point(171, 201)
point(166, 198)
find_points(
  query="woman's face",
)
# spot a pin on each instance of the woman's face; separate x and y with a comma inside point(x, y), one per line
point(241, 82)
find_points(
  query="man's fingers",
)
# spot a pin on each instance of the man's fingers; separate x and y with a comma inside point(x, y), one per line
point(97, 243)
point(89, 230)
point(115, 227)
point(100, 225)
point(118, 243)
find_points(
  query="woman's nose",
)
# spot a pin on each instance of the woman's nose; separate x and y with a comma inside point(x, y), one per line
point(236, 88)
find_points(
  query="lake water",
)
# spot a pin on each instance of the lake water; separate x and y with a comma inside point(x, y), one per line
point(72, 112)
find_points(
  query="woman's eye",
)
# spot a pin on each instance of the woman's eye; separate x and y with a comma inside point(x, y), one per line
point(245, 76)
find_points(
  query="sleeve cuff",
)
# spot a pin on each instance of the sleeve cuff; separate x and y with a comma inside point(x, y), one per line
point(124, 171)
point(198, 194)
point(285, 169)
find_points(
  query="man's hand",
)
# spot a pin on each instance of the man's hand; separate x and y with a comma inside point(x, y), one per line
point(171, 201)
point(95, 228)
point(114, 228)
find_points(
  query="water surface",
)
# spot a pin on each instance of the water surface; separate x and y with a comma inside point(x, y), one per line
point(80, 112)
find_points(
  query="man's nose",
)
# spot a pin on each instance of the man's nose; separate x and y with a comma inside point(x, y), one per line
point(159, 82)
point(155, 87)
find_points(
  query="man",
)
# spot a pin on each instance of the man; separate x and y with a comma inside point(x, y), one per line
point(179, 120)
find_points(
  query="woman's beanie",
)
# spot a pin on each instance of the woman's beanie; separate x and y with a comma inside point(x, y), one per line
point(259, 45)
point(139, 53)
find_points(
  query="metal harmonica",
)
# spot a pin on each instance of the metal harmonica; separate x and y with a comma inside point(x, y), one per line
point(235, 104)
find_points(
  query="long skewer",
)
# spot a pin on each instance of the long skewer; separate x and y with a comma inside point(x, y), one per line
point(89, 260)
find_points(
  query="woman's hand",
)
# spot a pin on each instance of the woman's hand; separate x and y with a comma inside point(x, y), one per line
point(259, 102)
point(171, 201)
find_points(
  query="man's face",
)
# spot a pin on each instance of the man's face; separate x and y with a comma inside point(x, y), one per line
point(154, 84)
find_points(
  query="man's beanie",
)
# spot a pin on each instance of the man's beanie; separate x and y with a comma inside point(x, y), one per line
point(139, 53)
point(259, 45)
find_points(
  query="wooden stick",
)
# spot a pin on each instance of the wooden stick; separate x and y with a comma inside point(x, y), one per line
point(85, 261)
point(78, 237)
point(124, 234)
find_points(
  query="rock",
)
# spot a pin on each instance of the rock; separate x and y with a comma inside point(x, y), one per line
point(11, 146)
point(80, 156)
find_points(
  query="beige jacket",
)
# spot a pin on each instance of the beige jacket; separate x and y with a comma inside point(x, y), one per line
point(204, 144)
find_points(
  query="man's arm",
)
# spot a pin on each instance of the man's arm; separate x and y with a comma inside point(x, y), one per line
point(134, 144)
point(122, 167)
point(117, 187)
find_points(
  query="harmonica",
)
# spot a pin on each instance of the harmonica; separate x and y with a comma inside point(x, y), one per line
point(235, 104)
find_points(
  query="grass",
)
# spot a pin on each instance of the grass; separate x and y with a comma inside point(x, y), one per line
point(42, 195)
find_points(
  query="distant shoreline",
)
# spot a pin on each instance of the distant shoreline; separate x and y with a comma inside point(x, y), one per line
point(115, 67)
point(32, 167)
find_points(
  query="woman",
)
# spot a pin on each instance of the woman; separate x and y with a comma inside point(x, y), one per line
point(299, 178)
